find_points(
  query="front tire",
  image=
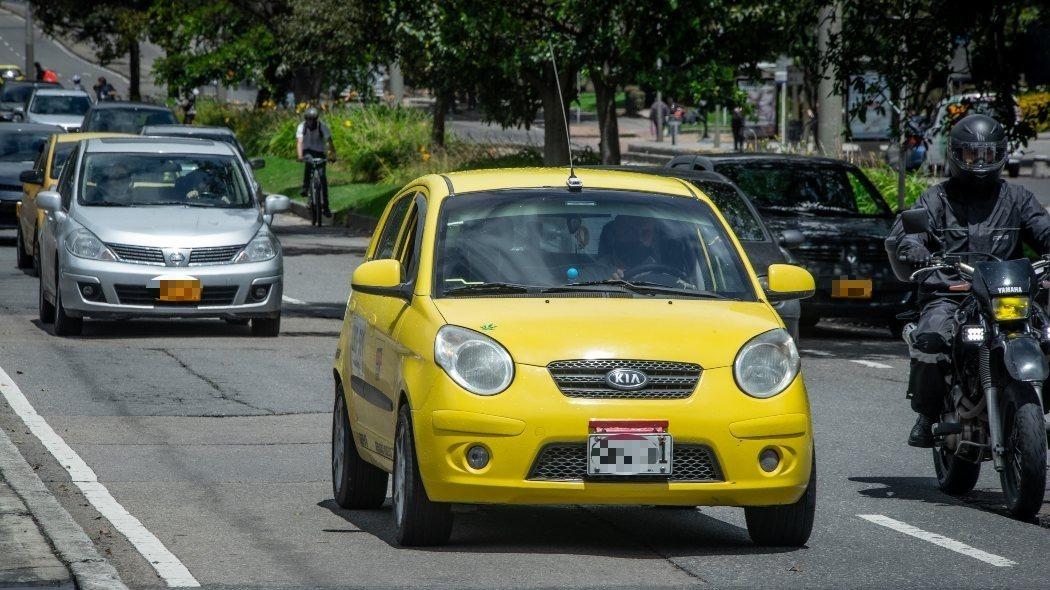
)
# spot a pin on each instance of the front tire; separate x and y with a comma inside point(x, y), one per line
point(22, 260)
point(419, 521)
point(955, 476)
point(784, 526)
point(1024, 434)
point(266, 327)
point(356, 483)
point(65, 325)
point(47, 309)
point(315, 200)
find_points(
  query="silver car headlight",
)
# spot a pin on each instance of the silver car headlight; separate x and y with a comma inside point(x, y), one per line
point(476, 362)
point(84, 244)
point(767, 364)
point(262, 247)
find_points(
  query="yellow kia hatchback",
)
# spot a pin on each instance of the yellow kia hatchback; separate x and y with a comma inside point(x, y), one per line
point(516, 339)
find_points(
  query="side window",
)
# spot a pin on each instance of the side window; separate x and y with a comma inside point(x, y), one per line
point(407, 247)
point(41, 159)
point(388, 237)
point(65, 182)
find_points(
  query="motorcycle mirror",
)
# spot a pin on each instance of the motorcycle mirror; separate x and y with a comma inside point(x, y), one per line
point(915, 221)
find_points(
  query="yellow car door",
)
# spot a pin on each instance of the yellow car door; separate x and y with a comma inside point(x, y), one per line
point(369, 405)
point(29, 216)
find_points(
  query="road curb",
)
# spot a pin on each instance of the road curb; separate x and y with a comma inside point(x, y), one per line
point(90, 570)
point(353, 221)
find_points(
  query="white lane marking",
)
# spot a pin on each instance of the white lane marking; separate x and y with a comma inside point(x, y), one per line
point(871, 364)
point(292, 300)
point(939, 540)
point(816, 352)
point(168, 567)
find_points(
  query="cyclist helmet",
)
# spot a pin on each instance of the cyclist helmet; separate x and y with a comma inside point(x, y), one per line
point(977, 149)
point(311, 114)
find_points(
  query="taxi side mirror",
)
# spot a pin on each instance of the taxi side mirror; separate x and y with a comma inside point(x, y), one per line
point(257, 163)
point(380, 277)
point(789, 282)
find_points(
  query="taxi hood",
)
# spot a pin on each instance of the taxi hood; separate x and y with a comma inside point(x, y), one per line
point(537, 331)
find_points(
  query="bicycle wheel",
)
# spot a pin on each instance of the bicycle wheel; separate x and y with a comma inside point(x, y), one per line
point(315, 198)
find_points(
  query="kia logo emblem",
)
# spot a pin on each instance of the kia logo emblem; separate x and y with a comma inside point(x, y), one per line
point(626, 379)
point(177, 257)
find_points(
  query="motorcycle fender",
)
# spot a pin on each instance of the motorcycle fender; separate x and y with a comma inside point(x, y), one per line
point(1025, 361)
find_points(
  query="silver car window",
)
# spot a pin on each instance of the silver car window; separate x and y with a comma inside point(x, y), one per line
point(191, 180)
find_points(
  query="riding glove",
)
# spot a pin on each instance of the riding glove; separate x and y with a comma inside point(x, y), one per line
point(913, 253)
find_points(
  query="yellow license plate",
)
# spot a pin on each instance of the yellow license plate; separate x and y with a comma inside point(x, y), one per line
point(851, 288)
point(180, 290)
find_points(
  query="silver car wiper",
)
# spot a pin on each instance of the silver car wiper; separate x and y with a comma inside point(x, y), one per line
point(638, 287)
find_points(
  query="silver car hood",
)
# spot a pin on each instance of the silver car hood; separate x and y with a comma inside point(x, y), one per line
point(64, 121)
point(171, 226)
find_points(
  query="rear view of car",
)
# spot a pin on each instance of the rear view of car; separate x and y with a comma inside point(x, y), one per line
point(15, 94)
point(51, 106)
point(126, 117)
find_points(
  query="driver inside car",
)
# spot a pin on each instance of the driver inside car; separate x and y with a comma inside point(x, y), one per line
point(199, 184)
point(114, 186)
point(633, 243)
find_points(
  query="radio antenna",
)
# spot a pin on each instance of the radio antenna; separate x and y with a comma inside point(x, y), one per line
point(572, 182)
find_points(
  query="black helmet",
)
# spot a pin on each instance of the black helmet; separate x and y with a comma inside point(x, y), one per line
point(977, 149)
point(311, 113)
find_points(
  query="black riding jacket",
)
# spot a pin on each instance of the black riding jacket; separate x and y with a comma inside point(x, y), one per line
point(961, 221)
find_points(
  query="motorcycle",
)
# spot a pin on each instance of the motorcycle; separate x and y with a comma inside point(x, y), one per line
point(996, 408)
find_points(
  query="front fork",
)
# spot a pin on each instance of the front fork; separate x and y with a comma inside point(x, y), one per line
point(991, 395)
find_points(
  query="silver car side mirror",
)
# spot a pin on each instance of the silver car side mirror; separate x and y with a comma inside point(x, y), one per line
point(277, 204)
point(49, 201)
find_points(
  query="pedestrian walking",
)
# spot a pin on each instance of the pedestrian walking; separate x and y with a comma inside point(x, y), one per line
point(39, 71)
point(737, 123)
point(657, 114)
point(674, 120)
point(189, 107)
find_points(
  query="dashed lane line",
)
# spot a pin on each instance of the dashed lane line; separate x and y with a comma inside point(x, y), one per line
point(168, 567)
point(939, 540)
point(872, 364)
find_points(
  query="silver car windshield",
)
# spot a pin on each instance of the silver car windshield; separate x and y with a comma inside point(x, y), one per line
point(143, 180)
point(60, 105)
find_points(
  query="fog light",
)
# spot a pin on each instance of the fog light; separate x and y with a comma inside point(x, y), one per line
point(477, 457)
point(91, 291)
point(88, 291)
point(259, 292)
point(769, 460)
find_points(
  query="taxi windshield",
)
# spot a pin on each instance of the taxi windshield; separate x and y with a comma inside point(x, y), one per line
point(190, 180)
point(542, 241)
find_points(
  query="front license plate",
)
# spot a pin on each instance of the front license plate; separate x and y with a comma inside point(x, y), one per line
point(187, 289)
point(629, 454)
point(851, 288)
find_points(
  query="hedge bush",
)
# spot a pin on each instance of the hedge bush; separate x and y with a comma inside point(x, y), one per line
point(1035, 109)
point(885, 180)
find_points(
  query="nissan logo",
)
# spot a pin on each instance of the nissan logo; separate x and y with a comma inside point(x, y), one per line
point(176, 258)
point(626, 379)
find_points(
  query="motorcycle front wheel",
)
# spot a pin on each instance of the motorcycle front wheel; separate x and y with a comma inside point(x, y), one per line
point(1024, 436)
point(955, 476)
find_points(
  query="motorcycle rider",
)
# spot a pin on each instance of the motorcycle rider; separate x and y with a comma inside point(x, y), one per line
point(312, 136)
point(973, 211)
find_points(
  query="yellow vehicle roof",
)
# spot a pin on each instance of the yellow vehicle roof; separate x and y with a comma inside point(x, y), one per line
point(71, 137)
point(511, 178)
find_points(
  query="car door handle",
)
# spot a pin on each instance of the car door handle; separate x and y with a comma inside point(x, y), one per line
point(372, 320)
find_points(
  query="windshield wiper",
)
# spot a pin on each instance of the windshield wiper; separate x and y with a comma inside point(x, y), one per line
point(491, 288)
point(106, 204)
point(643, 287)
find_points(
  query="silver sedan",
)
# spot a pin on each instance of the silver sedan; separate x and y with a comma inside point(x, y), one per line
point(158, 227)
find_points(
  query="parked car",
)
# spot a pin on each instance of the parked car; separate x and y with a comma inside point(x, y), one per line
point(125, 117)
point(515, 339)
point(843, 219)
point(762, 245)
point(20, 146)
point(159, 228)
point(13, 97)
point(57, 106)
point(43, 176)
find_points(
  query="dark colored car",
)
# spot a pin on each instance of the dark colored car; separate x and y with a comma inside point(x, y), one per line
point(20, 146)
point(15, 93)
point(762, 245)
point(843, 219)
point(126, 117)
point(223, 134)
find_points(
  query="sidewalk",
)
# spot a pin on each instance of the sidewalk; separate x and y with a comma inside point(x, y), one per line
point(26, 558)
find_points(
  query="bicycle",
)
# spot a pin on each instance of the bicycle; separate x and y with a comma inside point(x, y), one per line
point(315, 189)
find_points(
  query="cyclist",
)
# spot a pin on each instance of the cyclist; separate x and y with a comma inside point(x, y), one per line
point(311, 138)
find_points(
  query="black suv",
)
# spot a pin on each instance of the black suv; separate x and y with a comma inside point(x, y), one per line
point(843, 218)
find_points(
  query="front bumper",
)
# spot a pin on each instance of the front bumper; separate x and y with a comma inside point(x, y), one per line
point(226, 287)
point(8, 214)
point(533, 413)
point(887, 300)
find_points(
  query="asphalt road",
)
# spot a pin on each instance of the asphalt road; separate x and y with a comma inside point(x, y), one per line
point(217, 443)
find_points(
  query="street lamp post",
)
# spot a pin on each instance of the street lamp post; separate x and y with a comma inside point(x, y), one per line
point(30, 58)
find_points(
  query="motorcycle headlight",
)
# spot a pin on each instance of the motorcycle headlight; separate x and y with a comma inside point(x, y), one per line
point(84, 244)
point(476, 362)
point(262, 247)
point(767, 364)
point(1010, 308)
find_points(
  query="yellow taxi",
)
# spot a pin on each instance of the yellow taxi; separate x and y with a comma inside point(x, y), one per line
point(43, 177)
point(517, 338)
point(10, 72)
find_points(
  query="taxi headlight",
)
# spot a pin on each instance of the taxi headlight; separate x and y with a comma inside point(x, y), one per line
point(84, 244)
point(1010, 308)
point(262, 247)
point(767, 364)
point(476, 362)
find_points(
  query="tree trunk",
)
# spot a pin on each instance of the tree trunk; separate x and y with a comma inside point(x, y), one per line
point(555, 147)
point(134, 60)
point(608, 126)
point(437, 131)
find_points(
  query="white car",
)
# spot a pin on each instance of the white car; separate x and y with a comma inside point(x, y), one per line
point(57, 106)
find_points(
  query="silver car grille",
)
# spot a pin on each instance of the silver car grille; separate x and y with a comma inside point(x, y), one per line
point(216, 255)
point(138, 254)
point(568, 462)
point(585, 378)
